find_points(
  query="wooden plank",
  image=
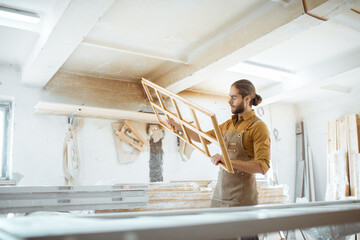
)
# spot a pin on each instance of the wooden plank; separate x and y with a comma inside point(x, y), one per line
point(148, 94)
point(180, 117)
point(199, 128)
point(331, 146)
point(299, 191)
point(337, 184)
point(299, 181)
point(311, 176)
point(307, 190)
point(219, 139)
point(223, 148)
point(353, 150)
point(176, 97)
point(342, 143)
point(186, 124)
point(60, 109)
point(357, 166)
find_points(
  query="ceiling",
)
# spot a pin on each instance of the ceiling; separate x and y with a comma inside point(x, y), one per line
point(200, 46)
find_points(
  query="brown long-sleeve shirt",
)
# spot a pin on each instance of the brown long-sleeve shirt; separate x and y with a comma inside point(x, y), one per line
point(256, 139)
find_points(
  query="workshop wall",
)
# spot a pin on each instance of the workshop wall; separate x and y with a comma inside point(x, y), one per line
point(38, 145)
point(315, 114)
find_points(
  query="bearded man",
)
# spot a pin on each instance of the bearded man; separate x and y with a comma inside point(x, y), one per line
point(248, 143)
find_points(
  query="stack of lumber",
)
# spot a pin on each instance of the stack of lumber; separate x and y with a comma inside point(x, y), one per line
point(29, 199)
point(273, 194)
point(197, 194)
point(343, 162)
point(179, 195)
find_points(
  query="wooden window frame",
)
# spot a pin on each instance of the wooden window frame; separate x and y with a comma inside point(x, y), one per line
point(203, 136)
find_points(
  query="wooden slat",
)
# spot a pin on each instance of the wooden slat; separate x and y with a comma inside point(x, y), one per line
point(311, 176)
point(332, 143)
point(180, 117)
point(148, 94)
point(187, 124)
point(199, 128)
point(332, 147)
point(300, 160)
point(161, 101)
point(180, 99)
point(227, 166)
point(353, 150)
point(343, 146)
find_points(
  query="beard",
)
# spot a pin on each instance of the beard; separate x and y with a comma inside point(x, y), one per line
point(238, 109)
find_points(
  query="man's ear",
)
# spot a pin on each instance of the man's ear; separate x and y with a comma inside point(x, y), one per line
point(247, 99)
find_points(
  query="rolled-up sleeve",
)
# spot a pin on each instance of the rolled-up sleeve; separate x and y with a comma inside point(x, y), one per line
point(261, 140)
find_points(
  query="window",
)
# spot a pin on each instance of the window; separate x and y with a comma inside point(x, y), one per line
point(6, 117)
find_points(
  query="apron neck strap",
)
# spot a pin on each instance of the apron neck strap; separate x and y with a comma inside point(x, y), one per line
point(251, 124)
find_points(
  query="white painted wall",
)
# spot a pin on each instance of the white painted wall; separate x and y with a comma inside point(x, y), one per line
point(315, 114)
point(282, 117)
point(38, 146)
point(35, 149)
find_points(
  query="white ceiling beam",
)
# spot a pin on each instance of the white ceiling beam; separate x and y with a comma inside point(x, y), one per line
point(322, 74)
point(336, 88)
point(331, 81)
point(143, 53)
point(255, 47)
point(48, 56)
point(247, 38)
point(61, 109)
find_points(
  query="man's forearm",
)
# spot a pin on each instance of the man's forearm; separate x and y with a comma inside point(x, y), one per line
point(247, 166)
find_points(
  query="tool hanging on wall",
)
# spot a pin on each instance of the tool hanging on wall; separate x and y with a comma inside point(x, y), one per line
point(156, 157)
point(155, 132)
point(126, 132)
point(71, 150)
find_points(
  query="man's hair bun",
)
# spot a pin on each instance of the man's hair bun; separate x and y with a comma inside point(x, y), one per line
point(256, 100)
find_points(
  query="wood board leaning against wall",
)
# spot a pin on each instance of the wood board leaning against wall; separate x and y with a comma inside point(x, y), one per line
point(343, 161)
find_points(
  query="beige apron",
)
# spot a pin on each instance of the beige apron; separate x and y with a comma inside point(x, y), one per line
point(239, 188)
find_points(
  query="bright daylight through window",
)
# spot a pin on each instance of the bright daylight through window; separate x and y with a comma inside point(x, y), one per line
point(5, 138)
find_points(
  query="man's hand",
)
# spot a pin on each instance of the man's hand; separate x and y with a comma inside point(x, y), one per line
point(172, 124)
point(217, 158)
